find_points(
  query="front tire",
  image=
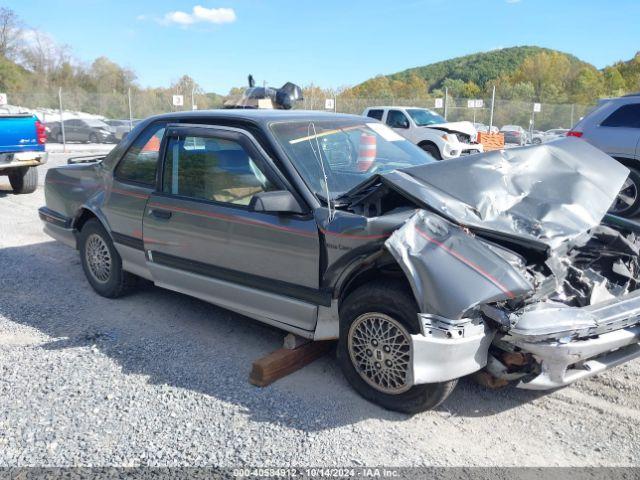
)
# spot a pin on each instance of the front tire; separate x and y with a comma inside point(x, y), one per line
point(431, 150)
point(374, 349)
point(24, 179)
point(93, 138)
point(101, 262)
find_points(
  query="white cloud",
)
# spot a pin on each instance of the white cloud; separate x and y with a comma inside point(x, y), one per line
point(201, 14)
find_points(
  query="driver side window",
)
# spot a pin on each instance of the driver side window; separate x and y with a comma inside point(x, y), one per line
point(212, 168)
point(397, 119)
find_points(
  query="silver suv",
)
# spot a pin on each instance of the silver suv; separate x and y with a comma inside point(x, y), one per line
point(614, 127)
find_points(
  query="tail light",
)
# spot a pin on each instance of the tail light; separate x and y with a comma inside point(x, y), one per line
point(574, 133)
point(41, 132)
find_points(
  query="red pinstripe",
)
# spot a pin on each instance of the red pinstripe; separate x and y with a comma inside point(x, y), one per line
point(467, 262)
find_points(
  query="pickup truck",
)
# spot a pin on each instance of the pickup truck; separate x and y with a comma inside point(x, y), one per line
point(336, 227)
point(22, 140)
point(428, 130)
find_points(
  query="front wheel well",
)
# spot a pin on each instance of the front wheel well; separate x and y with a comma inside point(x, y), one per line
point(427, 142)
point(387, 271)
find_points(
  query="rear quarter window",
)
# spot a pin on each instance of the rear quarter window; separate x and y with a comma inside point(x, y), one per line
point(626, 116)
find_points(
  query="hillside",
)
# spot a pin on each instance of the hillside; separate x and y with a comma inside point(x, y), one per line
point(521, 73)
point(478, 68)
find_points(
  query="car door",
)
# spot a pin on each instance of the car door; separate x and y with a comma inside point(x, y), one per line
point(619, 133)
point(202, 238)
point(71, 130)
point(133, 181)
point(398, 121)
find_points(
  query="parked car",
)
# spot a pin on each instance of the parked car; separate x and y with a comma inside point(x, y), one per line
point(88, 130)
point(535, 137)
point(514, 134)
point(430, 131)
point(336, 227)
point(554, 134)
point(481, 127)
point(121, 127)
point(22, 149)
point(614, 127)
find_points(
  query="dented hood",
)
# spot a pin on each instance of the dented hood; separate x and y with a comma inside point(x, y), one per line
point(547, 194)
point(462, 127)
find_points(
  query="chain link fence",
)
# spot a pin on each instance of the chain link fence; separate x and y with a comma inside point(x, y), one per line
point(505, 112)
point(121, 111)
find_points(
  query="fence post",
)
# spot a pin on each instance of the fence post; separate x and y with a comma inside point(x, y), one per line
point(571, 125)
point(493, 101)
point(446, 98)
point(130, 111)
point(64, 139)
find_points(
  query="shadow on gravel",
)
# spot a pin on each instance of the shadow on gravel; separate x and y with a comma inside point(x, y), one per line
point(176, 340)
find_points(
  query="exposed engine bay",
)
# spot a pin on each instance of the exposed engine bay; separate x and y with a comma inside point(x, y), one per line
point(606, 266)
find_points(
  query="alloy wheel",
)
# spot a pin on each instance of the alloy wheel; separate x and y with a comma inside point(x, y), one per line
point(627, 197)
point(380, 350)
point(98, 258)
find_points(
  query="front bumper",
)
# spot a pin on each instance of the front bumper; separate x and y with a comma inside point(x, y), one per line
point(448, 349)
point(471, 148)
point(456, 149)
point(571, 343)
point(23, 159)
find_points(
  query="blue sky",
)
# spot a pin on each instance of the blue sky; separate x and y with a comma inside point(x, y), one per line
point(331, 43)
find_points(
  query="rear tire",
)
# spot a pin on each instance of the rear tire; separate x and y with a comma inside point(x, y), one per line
point(23, 179)
point(393, 309)
point(101, 262)
point(627, 202)
point(431, 150)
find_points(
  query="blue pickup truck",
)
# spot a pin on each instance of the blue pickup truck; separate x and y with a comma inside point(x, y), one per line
point(22, 149)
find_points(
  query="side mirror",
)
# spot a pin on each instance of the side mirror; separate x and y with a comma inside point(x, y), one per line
point(280, 201)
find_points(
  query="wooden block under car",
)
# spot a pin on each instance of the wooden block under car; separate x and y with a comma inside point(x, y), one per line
point(284, 361)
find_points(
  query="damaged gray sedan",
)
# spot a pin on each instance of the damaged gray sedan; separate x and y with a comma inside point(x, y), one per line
point(335, 227)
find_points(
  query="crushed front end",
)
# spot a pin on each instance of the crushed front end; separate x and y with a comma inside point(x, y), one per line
point(517, 268)
point(583, 317)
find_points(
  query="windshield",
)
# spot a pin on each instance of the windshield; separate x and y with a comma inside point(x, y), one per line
point(423, 117)
point(348, 152)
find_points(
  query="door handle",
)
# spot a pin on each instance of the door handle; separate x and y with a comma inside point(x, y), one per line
point(159, 213)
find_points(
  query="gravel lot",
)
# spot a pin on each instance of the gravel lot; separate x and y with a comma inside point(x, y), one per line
point(158, 378)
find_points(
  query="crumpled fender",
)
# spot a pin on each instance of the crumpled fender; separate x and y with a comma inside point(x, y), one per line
point(450, 270)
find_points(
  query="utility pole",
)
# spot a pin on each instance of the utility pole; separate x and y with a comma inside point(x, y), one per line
point(493, 101)
point(192, 98)
point(64, 140)
point(130, 111)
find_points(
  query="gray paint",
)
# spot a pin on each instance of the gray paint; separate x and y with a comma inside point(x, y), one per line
point(546, 196)
point(450, 271)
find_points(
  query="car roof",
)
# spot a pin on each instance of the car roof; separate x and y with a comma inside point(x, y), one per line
point(395, 107)
point(257, 115)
